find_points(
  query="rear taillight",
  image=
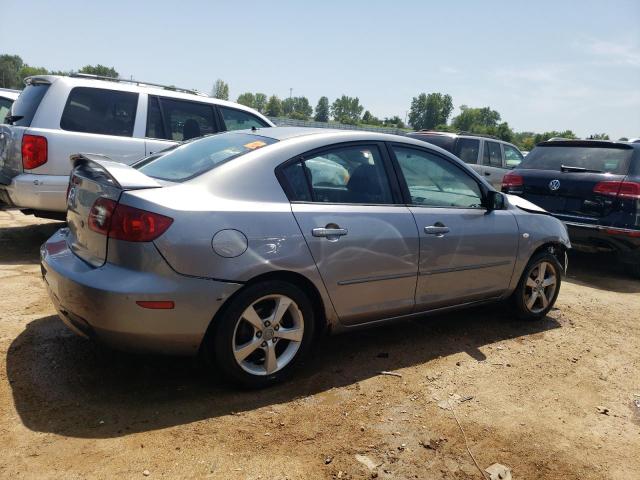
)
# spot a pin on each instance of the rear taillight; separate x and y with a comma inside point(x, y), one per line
point(512, 181)
point(101, 214)
point(618, 189)
point(34, 151)
point(123, 222)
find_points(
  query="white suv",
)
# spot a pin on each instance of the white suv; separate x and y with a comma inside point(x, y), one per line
point(57, 116)
point(486, 154)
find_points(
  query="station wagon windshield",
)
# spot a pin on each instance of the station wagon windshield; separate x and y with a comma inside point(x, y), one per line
point(199, 156)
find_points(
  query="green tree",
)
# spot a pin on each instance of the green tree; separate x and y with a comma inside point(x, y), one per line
point(100, 70)
point(369, 119)
point(248, 99)
point(476, 120)
point(10, 66)
point(322, 110)
point(220, 90)
point(260, 102)
point(347, 110)
point(428, 111)
point(394, 121)
point(543, 137)
point(28, 71)
point(274, 107)
point(297, 107)
point(599, 136)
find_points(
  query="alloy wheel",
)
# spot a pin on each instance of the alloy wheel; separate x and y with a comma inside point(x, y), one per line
point(268, 334)
point(540, 287)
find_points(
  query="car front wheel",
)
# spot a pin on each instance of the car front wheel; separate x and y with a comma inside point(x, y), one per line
point(263, 334)
point(539, 286)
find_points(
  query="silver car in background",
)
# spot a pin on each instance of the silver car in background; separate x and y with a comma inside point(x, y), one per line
point(244, 246)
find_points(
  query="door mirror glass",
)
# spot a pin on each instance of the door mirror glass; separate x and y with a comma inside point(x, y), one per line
point(495, 200)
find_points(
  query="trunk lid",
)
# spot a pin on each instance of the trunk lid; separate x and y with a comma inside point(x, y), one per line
point(95, 178)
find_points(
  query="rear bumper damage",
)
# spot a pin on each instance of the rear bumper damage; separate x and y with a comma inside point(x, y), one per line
point(36, 192)
point(101, 303)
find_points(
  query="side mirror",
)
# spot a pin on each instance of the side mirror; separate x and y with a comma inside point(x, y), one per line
point(495, 200)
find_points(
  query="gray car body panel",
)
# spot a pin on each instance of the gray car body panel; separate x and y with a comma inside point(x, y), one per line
point(367, 276)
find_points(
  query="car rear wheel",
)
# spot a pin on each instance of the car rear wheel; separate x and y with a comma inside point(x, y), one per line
point(263, 334)
point(539, 286)
point(633, 269)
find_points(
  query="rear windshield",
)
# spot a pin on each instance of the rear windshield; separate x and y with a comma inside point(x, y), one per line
point(597, 159)
point(24, 108)
point(193, 158)
point(442, 141)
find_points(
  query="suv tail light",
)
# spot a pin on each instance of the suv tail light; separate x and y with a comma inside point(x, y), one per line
point(618, 189)
point(34, 151)
point(512, 181)
point(126, 223)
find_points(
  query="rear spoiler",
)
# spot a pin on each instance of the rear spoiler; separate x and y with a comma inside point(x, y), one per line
point(121, 175)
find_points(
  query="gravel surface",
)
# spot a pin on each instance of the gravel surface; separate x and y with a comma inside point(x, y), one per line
point(549, 400)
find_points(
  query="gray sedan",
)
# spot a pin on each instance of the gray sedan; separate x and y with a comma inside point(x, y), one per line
point(245, 246)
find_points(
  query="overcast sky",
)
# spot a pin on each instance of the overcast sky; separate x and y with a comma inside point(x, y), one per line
point(544, 65)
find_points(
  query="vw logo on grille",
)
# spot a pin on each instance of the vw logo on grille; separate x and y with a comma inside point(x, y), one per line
point(554, 185)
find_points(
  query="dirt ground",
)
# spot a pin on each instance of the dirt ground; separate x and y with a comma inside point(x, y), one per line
point(526, 394)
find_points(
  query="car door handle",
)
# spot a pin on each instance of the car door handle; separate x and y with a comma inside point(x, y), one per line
point(329, 232)
point(436, 230)
point(488, 174)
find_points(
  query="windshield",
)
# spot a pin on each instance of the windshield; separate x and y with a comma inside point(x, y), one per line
point(24, 108)
point(193, 158)
point(595, 159)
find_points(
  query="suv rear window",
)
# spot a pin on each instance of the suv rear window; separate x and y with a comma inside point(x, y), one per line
point(598, 159)
point(26, 105)
point(194, 158)
point(101, 111)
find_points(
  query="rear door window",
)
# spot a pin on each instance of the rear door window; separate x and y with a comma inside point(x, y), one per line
point(467, 150)
point(26, 105)
point(495, 154)
point(179, 120)
point(346, 174)
point(240, 120)
point(101, 111)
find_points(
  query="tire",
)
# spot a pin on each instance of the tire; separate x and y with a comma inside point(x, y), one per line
point(633, 269)
point(248, 343)
point(536, 308)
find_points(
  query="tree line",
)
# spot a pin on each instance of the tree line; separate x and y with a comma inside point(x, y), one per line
point(427, 111)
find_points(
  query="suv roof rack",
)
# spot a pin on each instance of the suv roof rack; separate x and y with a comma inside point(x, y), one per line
point(138, 82)
point(486, 135)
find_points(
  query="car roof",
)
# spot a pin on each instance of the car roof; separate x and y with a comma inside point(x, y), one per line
point(139, 87)
point(286, 133)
